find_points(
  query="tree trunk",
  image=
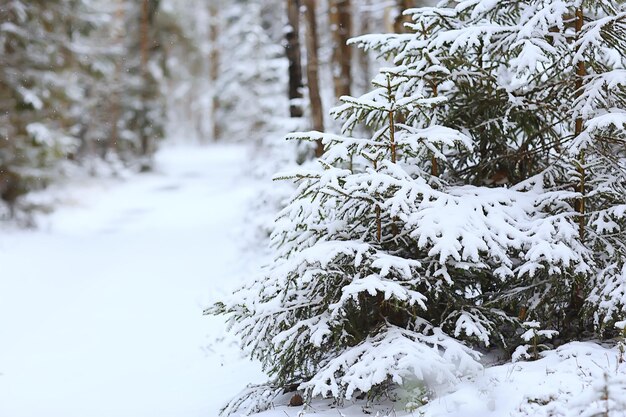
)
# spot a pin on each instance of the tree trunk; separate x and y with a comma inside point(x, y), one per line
point(144, 35)
point(400, 19)
point(147, 44)
point(214, 68)
point(144, 47)
point(341, 29)
point(292, 34)
point(312, 47)
point(577, 296)
point(118, 39)
point(581, 71)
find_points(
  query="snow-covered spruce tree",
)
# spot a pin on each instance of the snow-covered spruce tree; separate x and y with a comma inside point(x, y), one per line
point(539, 84)
point(402, 238)
point(383, 266)
point(258, 64)
point(599, 136)
point(137, 106)
point(125, 54)
point(339, 312)
point(42, 85)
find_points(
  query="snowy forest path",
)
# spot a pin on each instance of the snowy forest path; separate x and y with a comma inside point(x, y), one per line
point(101, 311)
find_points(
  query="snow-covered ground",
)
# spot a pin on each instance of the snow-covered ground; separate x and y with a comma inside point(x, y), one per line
point(577, 379)
point(101, 312)
point(101, 308)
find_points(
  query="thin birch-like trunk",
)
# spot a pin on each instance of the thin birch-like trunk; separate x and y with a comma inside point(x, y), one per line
point(400, 19)
point(341, 29)
point(144, 48)
point(312, 47)
point(214, 68)
point(118, 39)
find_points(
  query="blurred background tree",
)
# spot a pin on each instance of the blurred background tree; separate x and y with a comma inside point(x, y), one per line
point(96, 85)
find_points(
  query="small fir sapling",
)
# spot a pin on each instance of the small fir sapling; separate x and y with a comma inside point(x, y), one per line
point(534, 335)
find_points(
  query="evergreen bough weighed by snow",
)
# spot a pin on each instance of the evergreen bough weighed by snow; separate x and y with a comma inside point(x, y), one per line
point(539, 85)
point(401, 256)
